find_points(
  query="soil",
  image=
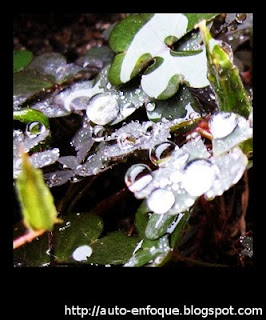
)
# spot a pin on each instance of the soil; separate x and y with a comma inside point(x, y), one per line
point(69, 34)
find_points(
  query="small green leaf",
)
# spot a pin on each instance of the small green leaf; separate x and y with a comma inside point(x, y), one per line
point(115, 248)
point(30, 115)
point(21, 58)
point(36, 200)
point(78, 229)
point(224, 75)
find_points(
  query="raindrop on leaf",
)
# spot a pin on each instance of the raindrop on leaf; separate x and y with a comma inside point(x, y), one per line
point(125, 141)
point(241, 17)
point(150, 106)
point(33, 129)
point(160, 201)
point(199, 176)
point(138, 177)
point(98, 133)
point(82, 253)
point(222, 124)
point(161, 153)
point(103, 108)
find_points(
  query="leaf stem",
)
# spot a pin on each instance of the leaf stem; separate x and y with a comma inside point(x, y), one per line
point(28, 237)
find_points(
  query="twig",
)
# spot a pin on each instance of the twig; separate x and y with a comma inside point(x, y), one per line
point(28, 237)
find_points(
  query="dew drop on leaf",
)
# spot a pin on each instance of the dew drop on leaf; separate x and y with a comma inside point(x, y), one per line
point(241, 17)
point(138, 177)
point(98, 133)
point(198, 176)
point(125, 141)
point(161, 200)
point(35, 128)
point(103, 108)
point(82, 253)
point(222, 124)
point(150, 106)
point(161, 153)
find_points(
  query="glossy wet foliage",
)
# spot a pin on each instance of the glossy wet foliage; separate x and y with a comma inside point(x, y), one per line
point(139, 174)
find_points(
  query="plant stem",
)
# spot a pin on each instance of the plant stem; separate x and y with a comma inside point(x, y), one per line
point(224, 75)
point(28, 237)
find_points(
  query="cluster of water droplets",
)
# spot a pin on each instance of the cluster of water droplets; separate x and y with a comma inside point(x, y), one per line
point(34, 134)
point(183, 175)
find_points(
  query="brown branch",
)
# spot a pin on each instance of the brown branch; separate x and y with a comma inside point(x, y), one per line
point(28, 237)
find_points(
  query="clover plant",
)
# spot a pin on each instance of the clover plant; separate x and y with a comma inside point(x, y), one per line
point(166, 110)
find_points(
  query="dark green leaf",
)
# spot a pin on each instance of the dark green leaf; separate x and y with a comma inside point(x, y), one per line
point(115, 248)
point(33, 254)
point(177, 234)
point(158, 225)
point(21, 58)
point(154, 252)
point(78, 229)
point(142, 218)
point(28, 83)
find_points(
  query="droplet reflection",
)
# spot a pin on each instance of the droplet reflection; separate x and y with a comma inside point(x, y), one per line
point(138, 177)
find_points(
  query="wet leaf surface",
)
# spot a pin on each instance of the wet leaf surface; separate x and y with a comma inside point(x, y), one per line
point(113, 249)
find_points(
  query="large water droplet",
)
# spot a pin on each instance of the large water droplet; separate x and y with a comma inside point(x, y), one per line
point(160, 201)
point(161, 153)
point(35, 128)
point(103, 108)
point(82, 253)
point(138, 177)
point(198, 176)
point(241, 17)
point(222, 124)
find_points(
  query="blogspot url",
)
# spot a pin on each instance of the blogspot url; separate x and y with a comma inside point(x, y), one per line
point(162, 312)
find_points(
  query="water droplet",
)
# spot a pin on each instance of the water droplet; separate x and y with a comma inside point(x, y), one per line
point(161, 153)
point(127, 109)
point(160, 201)
point(150, 106)
point(138, 177)
point(228, 49)
point(82, 253)
point(222, 124)
point(198, 176)
point(98, 133)
point(125, 141)
point(33, 129)
point(212, 96)
point(241, 17)
point(103, 108)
